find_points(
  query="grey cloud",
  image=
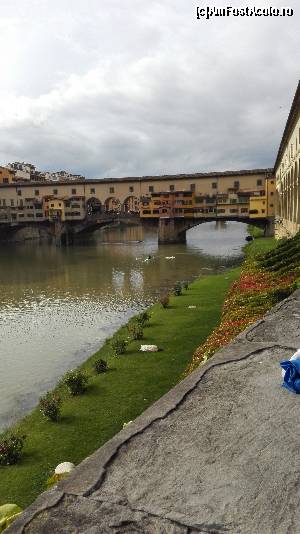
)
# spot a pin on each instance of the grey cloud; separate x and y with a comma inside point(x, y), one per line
point(144, 88)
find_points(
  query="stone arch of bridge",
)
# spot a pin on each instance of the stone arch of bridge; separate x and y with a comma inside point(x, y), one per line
point(174, 230)
point(112, 205)
point(259, 223)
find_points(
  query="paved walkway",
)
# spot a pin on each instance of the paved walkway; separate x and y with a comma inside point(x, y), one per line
point(218, 454)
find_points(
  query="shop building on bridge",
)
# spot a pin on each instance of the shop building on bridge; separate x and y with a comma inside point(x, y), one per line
point(193, 193)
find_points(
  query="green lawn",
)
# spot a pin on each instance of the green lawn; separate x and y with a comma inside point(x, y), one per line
point(134, 382)
point(260, 245)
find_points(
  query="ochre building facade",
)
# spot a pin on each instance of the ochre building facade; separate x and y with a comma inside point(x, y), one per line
point(286, 170)
point(225, 194)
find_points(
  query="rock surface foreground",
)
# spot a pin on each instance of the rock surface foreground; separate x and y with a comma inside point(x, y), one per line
point(217, 454)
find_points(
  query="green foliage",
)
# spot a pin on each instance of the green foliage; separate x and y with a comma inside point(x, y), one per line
point(164, 299)
point(76, 382)
point(185, 285)
point(250, 297)
point(282, 293)
point(11, 447)
point(118, 396)
point(50, 406)
point(254, 231)
point(143, 318)
point(177, 290)
point(135, 330)
point(100, 366)
point(118, 345)
point(8, 514)
point(260, 246)
point(284, 259)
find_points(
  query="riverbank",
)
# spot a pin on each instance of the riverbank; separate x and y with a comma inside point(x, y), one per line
point(59, 304)
point(134, 382)
point(218, 453)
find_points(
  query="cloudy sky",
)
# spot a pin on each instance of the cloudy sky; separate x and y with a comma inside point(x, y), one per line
point(137, 87)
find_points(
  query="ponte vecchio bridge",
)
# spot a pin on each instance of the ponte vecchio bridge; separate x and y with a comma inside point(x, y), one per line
point(175, 202)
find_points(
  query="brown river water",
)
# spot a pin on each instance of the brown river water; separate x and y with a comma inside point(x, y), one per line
point(58, 305)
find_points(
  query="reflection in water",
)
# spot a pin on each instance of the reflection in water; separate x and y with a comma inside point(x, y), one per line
point(58, 305)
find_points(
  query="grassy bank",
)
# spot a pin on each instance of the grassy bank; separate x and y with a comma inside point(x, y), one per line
point(269, 274)
point(134, 382)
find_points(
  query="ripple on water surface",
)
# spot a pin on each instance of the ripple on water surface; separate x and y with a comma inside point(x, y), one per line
point(58, 305)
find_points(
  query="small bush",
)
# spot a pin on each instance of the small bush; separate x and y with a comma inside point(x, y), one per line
point(76, 382)
point(177, 290)
point(100, 366)
point(185, 285)
point(135, 330)
point(143, 318)
point(11, 448)
point(50, 406)
point(164, 299)
point(118, 346)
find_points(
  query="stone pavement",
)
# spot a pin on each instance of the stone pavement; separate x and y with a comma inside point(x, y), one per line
point(217, 454)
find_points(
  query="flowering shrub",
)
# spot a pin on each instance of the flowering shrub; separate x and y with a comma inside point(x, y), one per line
point(135, 330)
point(177, 290)
point(164, 299)
point(248, 299)
point(143, 318)
point(118, 346)
point(50, 406)
point(100, 366)
point(11, 448)
point(76, 382)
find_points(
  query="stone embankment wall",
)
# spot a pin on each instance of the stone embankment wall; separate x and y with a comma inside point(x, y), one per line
point(219, 453)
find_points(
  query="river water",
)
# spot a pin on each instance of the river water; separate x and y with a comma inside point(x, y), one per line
point(58, 305)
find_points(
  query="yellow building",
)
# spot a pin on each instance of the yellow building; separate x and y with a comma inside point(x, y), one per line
point(6, 175)
point(258, 207)
point(241, 204)
point(54, 209)
point(64, 209)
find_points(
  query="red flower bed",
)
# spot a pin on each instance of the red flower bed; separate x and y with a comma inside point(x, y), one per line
point(248, 300)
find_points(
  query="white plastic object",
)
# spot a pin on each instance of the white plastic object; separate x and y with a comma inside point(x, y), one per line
point(64, 467)
point(149, 348)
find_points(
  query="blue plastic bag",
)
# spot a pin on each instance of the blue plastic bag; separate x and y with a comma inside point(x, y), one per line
point(291, 378)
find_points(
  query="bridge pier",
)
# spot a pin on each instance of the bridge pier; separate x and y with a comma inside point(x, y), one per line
point(269, 230)
point(171, 230)
point(60, 233)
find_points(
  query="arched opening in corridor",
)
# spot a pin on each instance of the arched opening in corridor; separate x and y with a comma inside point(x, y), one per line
point(93, 207)
point(112, 205)
point(131, 205)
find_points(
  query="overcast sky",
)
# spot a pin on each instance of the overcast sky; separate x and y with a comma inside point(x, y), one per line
point(136, 87)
